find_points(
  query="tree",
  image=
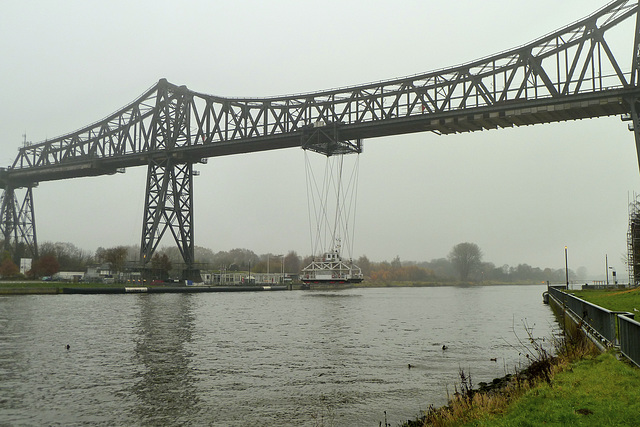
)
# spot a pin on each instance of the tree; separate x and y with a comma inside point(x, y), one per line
point(114, 256)
point(47, 265)
point(465, 257)
point(441, 267)
point(364, 264)
point(69, 257)
point(396, 263)
point(8, 268)
point(203, 255)
point(292, 262)
point(161, 264)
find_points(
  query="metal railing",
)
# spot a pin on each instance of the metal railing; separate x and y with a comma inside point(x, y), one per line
point(616, 327)
point(629, 335)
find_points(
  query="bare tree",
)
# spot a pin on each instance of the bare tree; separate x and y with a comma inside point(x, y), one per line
point(114, 256)
point(292, 262)
point(465, 257)
point(161, 265)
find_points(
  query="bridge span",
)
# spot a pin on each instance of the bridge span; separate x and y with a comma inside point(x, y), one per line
point(568, 74)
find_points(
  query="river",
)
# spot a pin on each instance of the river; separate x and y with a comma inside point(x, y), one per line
point(289, 358)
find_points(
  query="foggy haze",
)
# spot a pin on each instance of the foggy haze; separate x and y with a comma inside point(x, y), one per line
point(521, 194)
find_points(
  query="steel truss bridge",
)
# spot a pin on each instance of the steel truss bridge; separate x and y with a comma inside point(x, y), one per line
point(569, 74)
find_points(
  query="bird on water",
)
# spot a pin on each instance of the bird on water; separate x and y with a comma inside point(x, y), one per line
point(444, 346)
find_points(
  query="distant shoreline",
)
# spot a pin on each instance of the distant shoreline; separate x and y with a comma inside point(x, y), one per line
point(56, 288)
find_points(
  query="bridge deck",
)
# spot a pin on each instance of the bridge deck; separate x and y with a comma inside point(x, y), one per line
point(501, 115)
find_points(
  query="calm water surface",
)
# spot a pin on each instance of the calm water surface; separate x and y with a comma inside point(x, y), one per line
point(299, 358)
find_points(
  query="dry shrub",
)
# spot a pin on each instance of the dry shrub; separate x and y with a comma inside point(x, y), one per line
point(469, 404)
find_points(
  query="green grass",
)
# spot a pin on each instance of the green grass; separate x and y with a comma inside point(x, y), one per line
point(27, 285)
point(615, 300)
point(598, 391)
point(586, 388)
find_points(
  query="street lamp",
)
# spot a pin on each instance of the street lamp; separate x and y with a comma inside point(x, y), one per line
point(275, 256)
point(566, 267)
point(282, 263)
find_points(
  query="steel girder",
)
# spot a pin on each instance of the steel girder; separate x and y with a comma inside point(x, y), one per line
point(633, 101)
point(169, 194)
point(18, 225)
point(569, 74)
point(325, 139)
point(169, 205)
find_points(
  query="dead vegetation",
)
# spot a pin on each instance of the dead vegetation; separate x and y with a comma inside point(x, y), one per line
point(469, 403)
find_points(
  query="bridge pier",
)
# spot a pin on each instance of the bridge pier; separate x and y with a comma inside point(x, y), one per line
point(17, 224)
point(169, 206)
point(169, 193)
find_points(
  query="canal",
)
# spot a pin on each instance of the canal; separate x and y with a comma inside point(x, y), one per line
point(298, 358)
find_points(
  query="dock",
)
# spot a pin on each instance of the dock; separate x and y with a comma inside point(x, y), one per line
point(171, 289)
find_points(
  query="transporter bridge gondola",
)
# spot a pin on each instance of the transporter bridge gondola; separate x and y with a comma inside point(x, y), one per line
point(331, 194)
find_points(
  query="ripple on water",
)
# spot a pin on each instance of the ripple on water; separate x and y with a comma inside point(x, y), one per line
point(281, 358)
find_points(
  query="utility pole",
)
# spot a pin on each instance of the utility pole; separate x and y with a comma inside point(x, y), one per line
point(566, 267)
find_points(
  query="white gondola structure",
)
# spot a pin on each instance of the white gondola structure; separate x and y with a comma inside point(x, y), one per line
point(331, 268)
point(332, 197)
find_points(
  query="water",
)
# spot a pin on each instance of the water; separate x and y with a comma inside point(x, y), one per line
point(299, 358)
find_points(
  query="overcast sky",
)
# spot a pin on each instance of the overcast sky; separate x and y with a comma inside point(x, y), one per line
point(521, 194)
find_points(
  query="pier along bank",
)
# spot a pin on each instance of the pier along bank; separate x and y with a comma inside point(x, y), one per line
point(51, 288)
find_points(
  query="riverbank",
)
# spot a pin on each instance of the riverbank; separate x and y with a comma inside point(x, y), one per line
point(51, 288)
point(580, 387)
point(614, 299)
point(591, 390)
point(411, 284)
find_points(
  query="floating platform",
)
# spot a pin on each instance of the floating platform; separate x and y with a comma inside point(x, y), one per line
point(171, 289)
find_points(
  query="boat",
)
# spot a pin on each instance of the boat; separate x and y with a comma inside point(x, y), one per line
point(331, 269)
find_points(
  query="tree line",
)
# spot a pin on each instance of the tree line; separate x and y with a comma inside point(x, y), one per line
point(463, 263)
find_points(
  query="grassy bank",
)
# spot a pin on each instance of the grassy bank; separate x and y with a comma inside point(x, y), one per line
point(581, 387)
point(615, 300)
point(38, 287)
point(591, 391)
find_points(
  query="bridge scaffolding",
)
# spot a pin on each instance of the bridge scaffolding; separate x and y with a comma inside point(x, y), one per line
point(633, 242)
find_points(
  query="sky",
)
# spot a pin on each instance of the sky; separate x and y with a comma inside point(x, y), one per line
point(521, 194)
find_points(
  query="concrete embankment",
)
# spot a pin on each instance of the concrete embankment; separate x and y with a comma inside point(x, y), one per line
point(136, 289)
point(29, 291)
point(172, 289)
